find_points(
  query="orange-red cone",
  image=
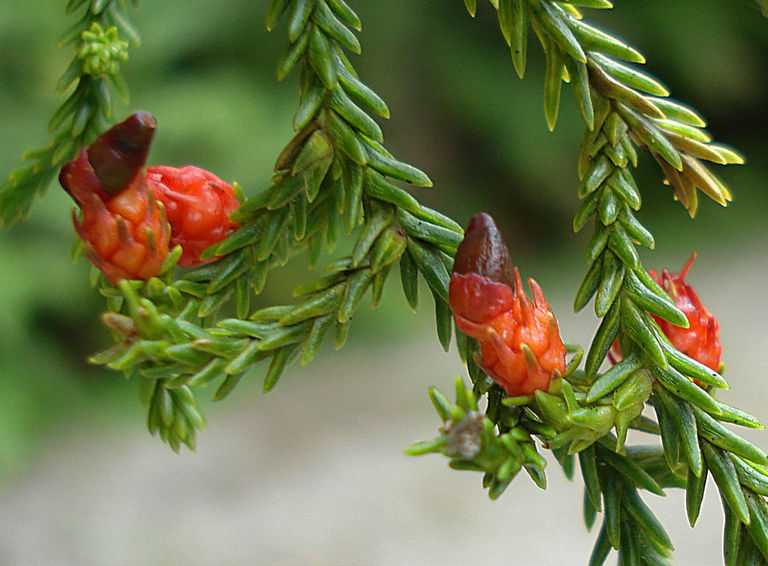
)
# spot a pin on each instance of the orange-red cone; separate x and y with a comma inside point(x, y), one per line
point(125, 230)
point(520, 344)
point(198, 205)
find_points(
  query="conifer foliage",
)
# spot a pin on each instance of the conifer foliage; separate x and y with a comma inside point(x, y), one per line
point(336, 179)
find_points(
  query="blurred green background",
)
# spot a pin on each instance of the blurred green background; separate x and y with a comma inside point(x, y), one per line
point(206, 69)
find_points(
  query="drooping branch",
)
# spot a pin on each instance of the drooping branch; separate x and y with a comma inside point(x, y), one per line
point(595, 62)
point(621, 118)
point(334, 176)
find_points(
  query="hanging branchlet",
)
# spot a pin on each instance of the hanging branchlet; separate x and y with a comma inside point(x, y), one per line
point(87, 85)
point(334, 176)
point(330, 176)
point(594, 62)
point(174, 352)
point(624, 294)
point(336, 105)
point(168, 345)
point(630, 302)
point(626, 110)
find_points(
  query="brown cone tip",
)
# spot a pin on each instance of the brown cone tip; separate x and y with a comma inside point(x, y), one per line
point(121, 152)
point(64, 176)
point(483, 251)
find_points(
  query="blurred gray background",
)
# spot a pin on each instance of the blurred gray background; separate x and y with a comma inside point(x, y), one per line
point(314, 473)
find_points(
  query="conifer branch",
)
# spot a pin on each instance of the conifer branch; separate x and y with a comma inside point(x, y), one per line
point(334, 176)
point(87, 85)
point(620, 119)
point(594, 63)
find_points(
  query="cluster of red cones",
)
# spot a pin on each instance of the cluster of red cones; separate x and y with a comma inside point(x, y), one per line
point(130, 217)
point(519, 339)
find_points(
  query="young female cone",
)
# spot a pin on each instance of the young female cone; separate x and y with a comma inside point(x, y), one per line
point(701, 340)
point(520, 344)
point(198, 204)
point(123, 227)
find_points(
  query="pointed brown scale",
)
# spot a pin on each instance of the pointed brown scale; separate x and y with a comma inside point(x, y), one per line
point(483, 251)
point(78, 179)
point(65, 176)
point(119, 154)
